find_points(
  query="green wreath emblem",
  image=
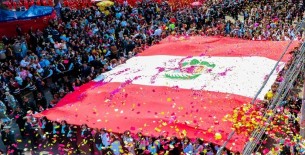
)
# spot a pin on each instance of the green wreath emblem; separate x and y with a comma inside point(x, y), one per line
point(189, 70)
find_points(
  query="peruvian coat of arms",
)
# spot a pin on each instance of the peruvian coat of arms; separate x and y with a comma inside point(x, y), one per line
point(189, 69)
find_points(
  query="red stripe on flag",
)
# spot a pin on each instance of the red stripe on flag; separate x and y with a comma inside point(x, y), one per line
point(219, 46)
point(150, 109)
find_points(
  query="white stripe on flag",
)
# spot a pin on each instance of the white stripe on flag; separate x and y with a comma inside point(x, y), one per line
point(236, 75)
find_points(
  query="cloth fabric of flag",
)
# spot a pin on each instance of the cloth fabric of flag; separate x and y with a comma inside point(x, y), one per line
point(181, 86)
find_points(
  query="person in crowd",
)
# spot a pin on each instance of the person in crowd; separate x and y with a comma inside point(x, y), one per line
point(41, 100)
point(64, 128)
point(28, 105)
point(187, 146)
point(98, 140)
point(140, 144)
point(8, 138)
point(115, 145)
point(46, 128)
point(31, 133)
point(152, 146)
point(128, 142)
point(3, 116)
point(19, 115)
point(198, 147)
point(55, 134)
point(72, 140)
point(11, 102)
point(105, 139)
point(87, 138)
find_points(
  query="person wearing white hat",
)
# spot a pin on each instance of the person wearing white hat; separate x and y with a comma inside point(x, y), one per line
point(3, 115)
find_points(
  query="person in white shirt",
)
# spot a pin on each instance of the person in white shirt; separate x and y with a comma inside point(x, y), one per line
point(129, 143)
point(24, 62)
point(58, 48)
point(115, 145)
point(64, 46)
point(105, 138)
point(35, 64)
point(125, 3)
point(40, 70)
point(57, 45)
point(97, 13)
point(158, 32)
point(18, 79)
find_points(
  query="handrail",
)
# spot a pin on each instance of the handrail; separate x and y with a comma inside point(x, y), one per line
point(259, 132)
point(292, 73)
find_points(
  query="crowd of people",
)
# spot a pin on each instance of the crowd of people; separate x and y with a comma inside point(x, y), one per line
point(255, 20)
point(84, 43)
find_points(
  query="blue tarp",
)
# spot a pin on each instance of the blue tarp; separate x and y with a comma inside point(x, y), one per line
point(32, 12)
point(6, 15)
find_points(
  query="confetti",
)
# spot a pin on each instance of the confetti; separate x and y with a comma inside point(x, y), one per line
point(168, 99)
point(157, 129)
point(218, 136)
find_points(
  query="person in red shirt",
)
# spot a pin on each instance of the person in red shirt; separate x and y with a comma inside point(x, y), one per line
point(80, 4)
point(9, 5)
point(71, 3)
point(44, 3)
point(66, 3)
point(31, 3)
point(51, 2)
point(84, 3)
point(75, 4)
point(14, 5)
point(26, 4)
point(38, 2)
point(19, 4)
point(173, 20)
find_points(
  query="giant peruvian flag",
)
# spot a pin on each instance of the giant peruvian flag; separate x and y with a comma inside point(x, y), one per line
point(182, 86)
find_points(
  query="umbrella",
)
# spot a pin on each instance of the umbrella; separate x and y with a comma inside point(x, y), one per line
point(105, 4)
point(196, 4)
point(95, 1)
